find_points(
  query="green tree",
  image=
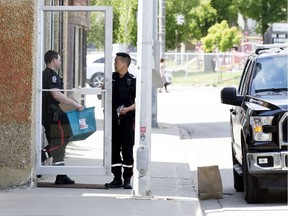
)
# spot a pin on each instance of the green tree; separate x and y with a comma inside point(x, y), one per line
point(176, 32)
point(226, 10)
point(124, 21)
point(202, 17)
point(265, 12)
point(199, 16)
point(96, 36)
point(221, 37)
point(126, 15)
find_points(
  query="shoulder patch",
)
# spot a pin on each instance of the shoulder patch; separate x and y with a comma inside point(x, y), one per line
point(54, 79)
point(132, 76)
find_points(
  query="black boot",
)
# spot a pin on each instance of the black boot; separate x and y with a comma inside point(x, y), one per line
point(127, 184)
point(63, 179)
point(116, 183)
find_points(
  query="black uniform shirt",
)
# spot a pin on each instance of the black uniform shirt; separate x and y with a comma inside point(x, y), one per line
point(50, 80)
point(123, 93)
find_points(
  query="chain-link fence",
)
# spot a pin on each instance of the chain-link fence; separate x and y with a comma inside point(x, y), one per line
point(205, 62)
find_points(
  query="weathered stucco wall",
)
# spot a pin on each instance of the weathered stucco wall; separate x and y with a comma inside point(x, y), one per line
point(17, 75)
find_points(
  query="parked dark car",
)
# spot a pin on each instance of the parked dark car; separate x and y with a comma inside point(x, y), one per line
point(258, 119)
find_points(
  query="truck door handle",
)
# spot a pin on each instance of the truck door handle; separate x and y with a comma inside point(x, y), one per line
point(233, 111)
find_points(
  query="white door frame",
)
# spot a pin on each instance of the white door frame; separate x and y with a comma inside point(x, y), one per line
point(84, 170)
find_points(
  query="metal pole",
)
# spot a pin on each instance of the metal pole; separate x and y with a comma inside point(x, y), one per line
point(162, 27)
point(142, 149)
point(156, 62)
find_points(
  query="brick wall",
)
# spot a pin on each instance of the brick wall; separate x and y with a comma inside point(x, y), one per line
point(17, 80)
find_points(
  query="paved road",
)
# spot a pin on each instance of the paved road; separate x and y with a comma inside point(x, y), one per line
point(204, 129)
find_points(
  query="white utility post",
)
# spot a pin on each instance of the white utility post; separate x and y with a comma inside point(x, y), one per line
point(142, 148)
point(156, 64)
point(162, 27)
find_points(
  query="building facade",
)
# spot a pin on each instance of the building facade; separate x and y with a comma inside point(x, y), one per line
point(65, 33)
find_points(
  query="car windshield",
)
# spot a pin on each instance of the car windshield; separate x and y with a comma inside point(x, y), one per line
point(100, 60)
point(270, 74)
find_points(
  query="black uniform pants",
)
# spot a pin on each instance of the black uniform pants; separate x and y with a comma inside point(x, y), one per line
point(57, 134)
point(122, 151)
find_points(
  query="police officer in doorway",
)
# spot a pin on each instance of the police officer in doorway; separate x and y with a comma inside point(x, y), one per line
point(54, 120)
point(123, 119)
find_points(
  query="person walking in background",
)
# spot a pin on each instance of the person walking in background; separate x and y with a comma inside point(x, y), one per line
point(54, 120)
point(164, 75)
point(123, 120)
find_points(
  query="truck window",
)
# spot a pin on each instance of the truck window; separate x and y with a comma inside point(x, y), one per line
point(243, 81)
point(270, 73)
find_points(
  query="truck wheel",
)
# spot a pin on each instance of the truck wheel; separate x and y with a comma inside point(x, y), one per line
point(253, 194)
point(238, 179)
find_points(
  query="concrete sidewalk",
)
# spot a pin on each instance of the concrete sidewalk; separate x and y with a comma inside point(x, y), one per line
point(172, 189)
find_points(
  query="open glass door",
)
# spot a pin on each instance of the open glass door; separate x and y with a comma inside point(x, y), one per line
point(83, 37)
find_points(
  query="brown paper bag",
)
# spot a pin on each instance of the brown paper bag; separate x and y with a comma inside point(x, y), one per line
point(209, 183)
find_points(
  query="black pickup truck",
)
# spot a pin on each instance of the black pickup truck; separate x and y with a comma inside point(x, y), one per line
point(258, 119)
